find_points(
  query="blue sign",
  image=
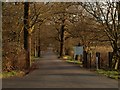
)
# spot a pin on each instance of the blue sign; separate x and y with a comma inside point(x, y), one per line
point(78, 50)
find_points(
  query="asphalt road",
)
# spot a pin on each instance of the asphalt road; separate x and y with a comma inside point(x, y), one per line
point(55, 73)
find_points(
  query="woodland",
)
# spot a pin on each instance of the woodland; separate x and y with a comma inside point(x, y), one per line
point(29, 28)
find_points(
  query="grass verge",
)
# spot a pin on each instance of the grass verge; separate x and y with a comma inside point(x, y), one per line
point(73, 61)
point(11, 74)
point(70, 60)
point(110, 74)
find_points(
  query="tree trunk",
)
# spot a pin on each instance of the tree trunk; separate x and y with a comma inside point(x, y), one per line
point(39, 51)
point(116, 56)
point(39, 44)
point(28, 55)
point(27, 36)
point(119, 32)
point(119, 15)
point(62, 40)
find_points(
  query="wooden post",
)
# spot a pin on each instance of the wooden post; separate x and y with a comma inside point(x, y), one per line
point(90, 59)
point(85, 59)
point(110, 56)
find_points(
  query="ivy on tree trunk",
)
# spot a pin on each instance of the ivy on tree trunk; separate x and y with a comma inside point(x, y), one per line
point(27, 35)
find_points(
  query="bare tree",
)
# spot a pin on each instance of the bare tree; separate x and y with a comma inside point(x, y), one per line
point(106, 13)
point(61, 18)
point(30, 20)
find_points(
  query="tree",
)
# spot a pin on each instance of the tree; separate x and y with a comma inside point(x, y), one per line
point(118, 4)
point(12, 24)
point(29, 23)
point(41, 20)
point(106, 13)
point(88, 32)
point(61, 18)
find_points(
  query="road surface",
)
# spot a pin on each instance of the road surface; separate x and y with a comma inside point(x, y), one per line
point(55, 73)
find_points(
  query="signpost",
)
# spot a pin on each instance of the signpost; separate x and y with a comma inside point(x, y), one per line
point(97, 63)
point(98, 60)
